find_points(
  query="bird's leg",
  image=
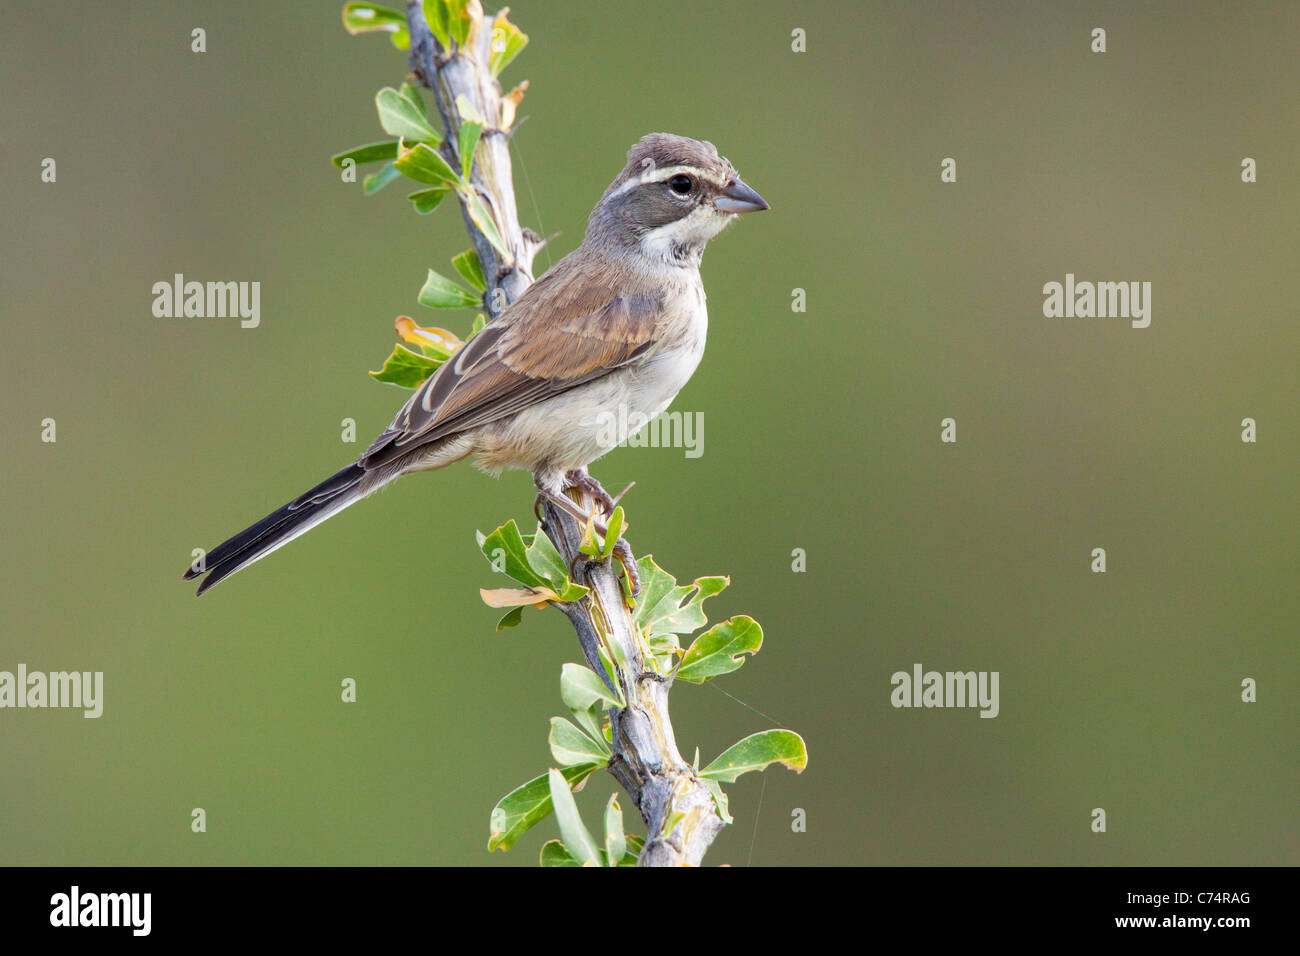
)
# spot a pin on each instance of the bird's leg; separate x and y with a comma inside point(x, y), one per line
point(579, 564)
point(579, 567)
point(563, 502)
point(622, 550)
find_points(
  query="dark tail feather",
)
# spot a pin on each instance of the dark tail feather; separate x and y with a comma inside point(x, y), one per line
point(280, 527)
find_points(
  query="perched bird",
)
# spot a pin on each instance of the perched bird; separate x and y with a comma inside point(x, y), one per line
point(620, 322)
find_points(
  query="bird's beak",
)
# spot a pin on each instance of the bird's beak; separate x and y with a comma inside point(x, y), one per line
point(738, 197)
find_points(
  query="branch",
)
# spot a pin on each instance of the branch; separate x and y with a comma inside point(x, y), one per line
point(678, 809)
point(464, 71)
point(645, 758)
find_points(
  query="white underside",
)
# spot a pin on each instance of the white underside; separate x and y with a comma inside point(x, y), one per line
point(574, 429)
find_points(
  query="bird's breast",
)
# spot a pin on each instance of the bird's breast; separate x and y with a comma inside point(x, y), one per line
point(578, 426)
point(670, 365)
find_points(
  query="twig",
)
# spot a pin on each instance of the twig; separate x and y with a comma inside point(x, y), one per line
point(679, 812)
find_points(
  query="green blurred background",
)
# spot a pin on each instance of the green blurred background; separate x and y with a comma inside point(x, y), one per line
point(822, 432)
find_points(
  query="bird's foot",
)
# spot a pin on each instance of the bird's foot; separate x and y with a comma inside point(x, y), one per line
point(582, 563)
point(622, 550)
point(578, 478)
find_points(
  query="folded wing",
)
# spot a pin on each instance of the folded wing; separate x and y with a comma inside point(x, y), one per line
point(566, 330)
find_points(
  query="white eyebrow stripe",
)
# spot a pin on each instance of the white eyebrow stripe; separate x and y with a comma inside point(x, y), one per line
point(660, 175)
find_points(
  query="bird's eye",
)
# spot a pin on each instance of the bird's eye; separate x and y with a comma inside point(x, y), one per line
point(680, 184)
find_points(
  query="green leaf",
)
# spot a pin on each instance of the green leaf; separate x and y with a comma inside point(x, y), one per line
point(487, 225)
point(507, 41)
point(590, 716)
point(718, 650)
point(607, 661)
point(575, 835)
point(468, 142)
point(572, 748)
point(590, 544)
point(532, 561)
point(412, 94)
point(378, 180)
point(614, 529)
point(590, 722)
point(369, 153)
point(435, 14)
point(670, 824)
point(439, 292)
point(406, 368)
point(513, 552)
point(719, 800)
point(458, 22)
point(480, 320)
point(665, 648)
point(402, 118)
point(426, 201)
point(756, 752)
point(471, 271)
point(511, 619)
point(468, 111)
point(368, 18)
point(580, 688)
point(615, 839)
point(634, 846)
point(555, 853)
point(522, 808)
point(546, 561)
point(424, 164)
point(665, 607)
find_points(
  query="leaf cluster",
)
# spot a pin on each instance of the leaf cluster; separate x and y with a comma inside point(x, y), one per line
point(665, 612)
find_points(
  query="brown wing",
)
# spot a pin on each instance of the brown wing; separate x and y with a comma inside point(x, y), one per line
point(567, 329)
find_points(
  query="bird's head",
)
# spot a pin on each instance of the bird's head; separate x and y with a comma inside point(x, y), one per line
point(672, 197)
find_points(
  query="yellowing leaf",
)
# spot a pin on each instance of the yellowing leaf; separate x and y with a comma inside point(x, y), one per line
point(440, 339)
point(510, 104)
point(507, 41)
point(517, 597)
point(756, 752)
point(369, 18)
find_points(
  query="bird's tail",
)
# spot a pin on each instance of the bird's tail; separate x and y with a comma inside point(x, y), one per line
point(281, 526)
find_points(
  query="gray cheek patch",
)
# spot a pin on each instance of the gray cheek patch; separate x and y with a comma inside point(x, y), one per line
point(649, 206)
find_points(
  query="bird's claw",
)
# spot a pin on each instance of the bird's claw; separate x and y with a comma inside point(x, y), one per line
point(623, 551)
point(583, 481)
point(581, 563)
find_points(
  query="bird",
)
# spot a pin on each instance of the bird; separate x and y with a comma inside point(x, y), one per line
point(619, 323)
